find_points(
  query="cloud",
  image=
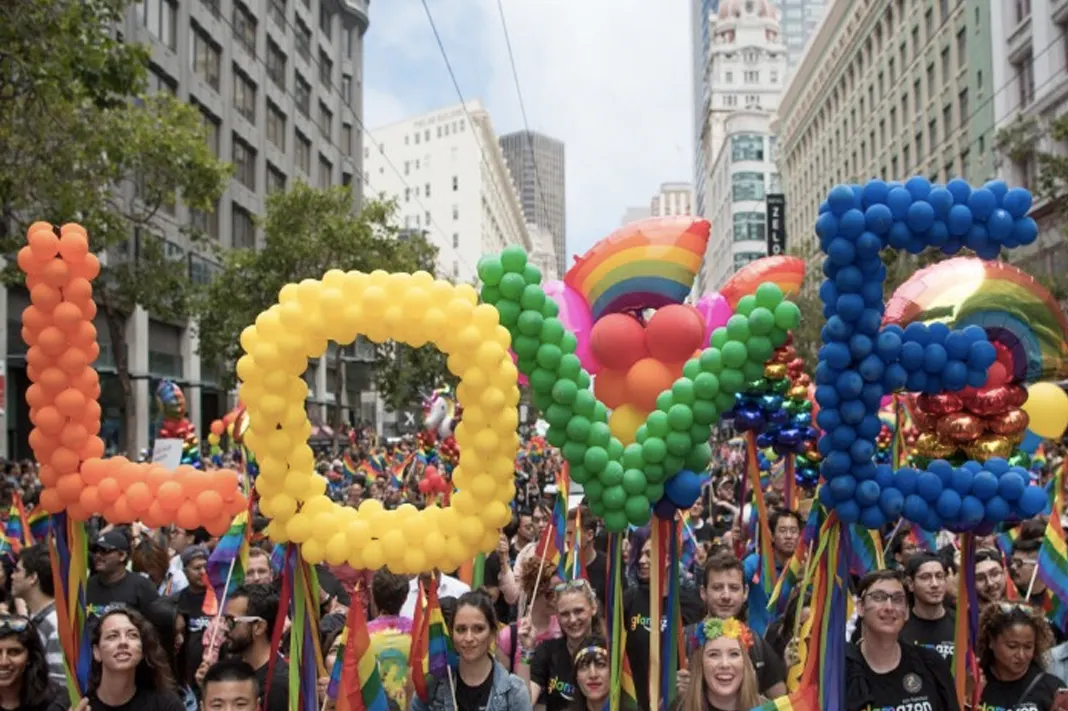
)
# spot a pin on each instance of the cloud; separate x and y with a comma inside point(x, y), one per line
point(611, 78)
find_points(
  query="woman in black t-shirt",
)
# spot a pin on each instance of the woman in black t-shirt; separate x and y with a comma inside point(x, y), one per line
point(1012, 645)
point(592, 675)
point(24, 683)
point(881, 671)
point(130, 669)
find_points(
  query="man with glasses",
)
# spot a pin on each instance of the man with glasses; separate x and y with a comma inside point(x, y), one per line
point(989, 576)
point(931, 624)
point(881, 671)
point(251, 613)
point(1024, 559)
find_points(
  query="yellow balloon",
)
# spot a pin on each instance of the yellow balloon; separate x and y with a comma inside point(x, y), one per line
point(625, 421)
point(1047, 406)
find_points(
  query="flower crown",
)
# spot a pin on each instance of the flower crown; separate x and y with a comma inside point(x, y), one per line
point(714, 628)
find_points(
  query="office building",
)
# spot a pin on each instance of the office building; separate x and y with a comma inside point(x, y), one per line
point(634, 214)
point(888, 90)
point(1030, 59)
point(543, 252)
point(451, 181)
point(800, 18)
point(673, 199)
point(279, 86)
point(701, 13)
point(537, 164)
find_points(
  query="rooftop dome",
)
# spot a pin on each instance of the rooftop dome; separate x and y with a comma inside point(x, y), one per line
point(738, 8)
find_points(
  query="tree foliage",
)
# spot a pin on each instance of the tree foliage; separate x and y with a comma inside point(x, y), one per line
point(309, 231)
point(1029, 139)
point(79, 147)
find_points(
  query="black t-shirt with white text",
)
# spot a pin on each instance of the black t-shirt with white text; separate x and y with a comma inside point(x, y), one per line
point(132, 590)
point(921, 682)
point(1010, 695)
point(473, 698)
point(142, 700)
point(551, 670)
point(932, 634)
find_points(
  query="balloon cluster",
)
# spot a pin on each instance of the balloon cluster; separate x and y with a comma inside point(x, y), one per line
point(233, 424)
point(884, 445)
point(415, 309)
point(861, 362)
point(58, 329)
point(977, 423)
point(639, 360)
point(175, 425)
point(434, 483)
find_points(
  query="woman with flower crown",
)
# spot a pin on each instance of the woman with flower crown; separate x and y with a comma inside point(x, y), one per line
point(723, 676)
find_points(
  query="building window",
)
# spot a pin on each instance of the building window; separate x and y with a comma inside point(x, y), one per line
point(426, 190)
point(962, 106)
point(159, 82)
point(302, 158)
point(455, 212)
point(930, 81)
point(915, 41)
point(326, 172)
point(326, 69)
point(928, 24)
point(917, 96)
point(326, 121)
point(947, 119)
point(728, 77)
point(962, 47)
point(905, 107)
point(346, 139)
point(212, 6)
point(244, 231)
point(965, 164)
point(743, 258)
point(276, 179)
point(943, 10)
point(407, 167)
point(747, 186)
point(1023, 10)
point(245, 27)
point(455, 240)
point(276, 64)
point(730, 100)
point(947, 65)
point(276, 10)
point(752, 77)
point(303, 38)
point(324, 20)
point(747, 147)
point(276, 126)
point(455, 183)
point(244, 95)
point(244, 160)
point(932, 135)
point(346, 42)
point(206, 223)
point(302, 94)
point(906, 156)
point(426, 219)
point(749, 226)
point(893, 71)
point(346, 91)
point(210, 125)
point(160, 18)
point(346, 179)
point(1025, 80)
point(206, 57)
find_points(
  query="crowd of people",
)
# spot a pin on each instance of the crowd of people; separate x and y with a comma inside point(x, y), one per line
point(527, 637)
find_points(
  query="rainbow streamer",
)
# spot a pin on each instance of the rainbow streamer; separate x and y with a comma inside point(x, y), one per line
point(766, 570)
point(306, 659)
point(40, 523)
point(69, 549)
point(559, 527)
point(965, 663)
point(576, 559)
point(442, 655)
point(359, 679)
point(417, 656)
point(1053, 555)
point(672, 636)
point(921, 538)
point(623, 690)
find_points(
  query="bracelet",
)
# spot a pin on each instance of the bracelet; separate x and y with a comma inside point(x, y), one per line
point(526, 656)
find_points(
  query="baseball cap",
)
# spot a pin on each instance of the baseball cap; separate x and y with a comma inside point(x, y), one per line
point(112, 541)
point(193, 552)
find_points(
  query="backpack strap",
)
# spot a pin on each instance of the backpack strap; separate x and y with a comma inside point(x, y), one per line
point(513, 630)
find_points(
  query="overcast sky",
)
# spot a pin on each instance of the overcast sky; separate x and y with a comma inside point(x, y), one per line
point(611, 78)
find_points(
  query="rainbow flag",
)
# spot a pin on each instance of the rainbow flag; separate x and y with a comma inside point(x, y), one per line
point(802, 700)
point(921, 538)
point(1006, 540)
point(420, 647)
point(232, 550)
point(965, 664)
point(40, 524)
point(359, 679)
point(210, 606)
point(351, 470)
point(559, 527)
point(439, 644)
point(866, 550)
point(1053, 557)
point(689, 540)
point(16, 529)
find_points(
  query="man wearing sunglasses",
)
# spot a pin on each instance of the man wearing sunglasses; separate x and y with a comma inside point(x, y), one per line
point(111, 583)
point(251, 613)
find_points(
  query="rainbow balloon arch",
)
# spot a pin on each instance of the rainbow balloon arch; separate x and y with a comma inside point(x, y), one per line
point(967, 334)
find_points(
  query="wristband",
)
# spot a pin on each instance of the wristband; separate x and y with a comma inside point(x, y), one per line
point(526, 656)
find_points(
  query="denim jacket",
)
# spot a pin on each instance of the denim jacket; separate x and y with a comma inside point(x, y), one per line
point(510, 693)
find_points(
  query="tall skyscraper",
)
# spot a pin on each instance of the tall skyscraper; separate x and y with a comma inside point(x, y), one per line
point(541, 191)
point(799, 18)
point(701, 13)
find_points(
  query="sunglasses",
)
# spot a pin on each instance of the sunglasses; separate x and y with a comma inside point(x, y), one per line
point(13, 623)
point(576, 584)
point(230, 620)
point(1010, 608)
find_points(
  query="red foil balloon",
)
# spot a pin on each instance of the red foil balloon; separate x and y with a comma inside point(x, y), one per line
point(1011, 422)
point(940, 404)
point(960, 427)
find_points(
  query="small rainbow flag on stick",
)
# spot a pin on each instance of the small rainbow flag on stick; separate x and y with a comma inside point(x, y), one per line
point(361, 686)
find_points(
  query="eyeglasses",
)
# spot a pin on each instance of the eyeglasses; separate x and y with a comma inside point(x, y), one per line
point(230, 620)
point(13, 623)
point(881, 598)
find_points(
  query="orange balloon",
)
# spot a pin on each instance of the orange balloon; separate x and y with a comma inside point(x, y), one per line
point(67, 316)
point(53, 379)
point(217, 428)
point(36, 397)
point(52, 341)
point(71, 228)
point(37, 318)
point(139, 496)
point(49, 421)
point(155, 517)
point(194, 482)
point(156, 477)
point(89, 310)
point(43, 243)
point(225, 481)
point(209, 504)
point(28, 337)
point(74, 246)
point(48, 475)
point(51, 500)
point(88, 268)
point(85, 335)
point(79, 290)
point(187, 515)
point(38, 359)
point(122, 511)
point(56, 273)
point(109, 490)
point(92, 352)
point(74, 436)
point(71, 403)
point(27, 262)
point(91, 413)
point(31, 371)
point(170, 495)
point(610, 387)
point(72, 360)
point(90, 500)
point(219, 526)
point(70, 487)
point(130, 474)
point(78, 512)
point(65, 461)
point(93, 447)
point(43, 445)
point(236, 505)
point(646, 379)
point(94, 471)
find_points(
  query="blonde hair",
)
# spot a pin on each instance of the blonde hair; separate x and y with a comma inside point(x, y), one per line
point(748, 693)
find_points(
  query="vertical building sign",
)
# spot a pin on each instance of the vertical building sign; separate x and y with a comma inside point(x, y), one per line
point(776, 209)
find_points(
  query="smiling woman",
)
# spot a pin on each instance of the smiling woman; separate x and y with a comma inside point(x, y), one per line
point(24, 680)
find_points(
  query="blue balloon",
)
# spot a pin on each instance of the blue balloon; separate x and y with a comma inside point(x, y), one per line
point(961, 481)
point(683, 489)
point(873, 517)
point(891, 502)
point(842, 487)
point(906, 481)
point(867, 493)
point(948, 504)
point(984, 485)
point(1032, 502)
point(971, 511)
point(665, 510)
point(1011, 486)
point(1017, 202)
point(1030, 442)
point(997, 510)
point(929, 486)
point(915, 508)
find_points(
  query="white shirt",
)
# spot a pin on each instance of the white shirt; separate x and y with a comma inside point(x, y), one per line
point(448, 586)
point(175, 581)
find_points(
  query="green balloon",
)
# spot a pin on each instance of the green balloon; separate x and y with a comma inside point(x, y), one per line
point(634, 481)
point(654, 450)
point(712, 361)
point(664, 401)
point(568, 343)
point(593, 489)
point(761, 321)
point(514, 259)
point(779, 337)
point(578, 473)
point(531, 274)
point(552, 331)
point(557, 415)
point(757, 387)
point(582, 379)
point(705, 413)
point(490, 294)
point(734, 354)
point(654, 492)
point(632, 457)
point(512, 286)
point(768, 295)
point(596, 460)
point(615, 450)
point(490, 270)
point(532, 298)
point(542, 380)
point(753, 370)
point(760, 349)
point(657, 423)
point(549, 309)
point(578, 429)
point(600, 412)
point(612, 474)
point(673, 465)
point(678, 443)
point(556, 436)
point(549, 356)
point(654, 473)
point(526, 364)
point(692, 369)
point(574, 451)
point(637, 510)
point(705, 386)
point(564, 392)
point(541, 400)
point(787, 316)
point(725, 401)
point(779, 387)
point(597, 507)
point(614, 521)
point(530, 323)
point(682, 391)
point(525, 346)
point(731, 381)
point(680, 417)
point(697, 460)
point(738, 328)
point(641, 434)
point(719, 337)
point(584, 404)
point(746, 304)
point(600, 435)
point(509, 312)
point(614, 497)
point(570, 366)
point(699, 433)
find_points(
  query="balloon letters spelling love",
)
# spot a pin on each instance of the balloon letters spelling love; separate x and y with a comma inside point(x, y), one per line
point(861, 360)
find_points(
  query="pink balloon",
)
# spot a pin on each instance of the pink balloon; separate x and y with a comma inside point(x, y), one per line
point(523, 380)
point(576, 317)
point(715, 311)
